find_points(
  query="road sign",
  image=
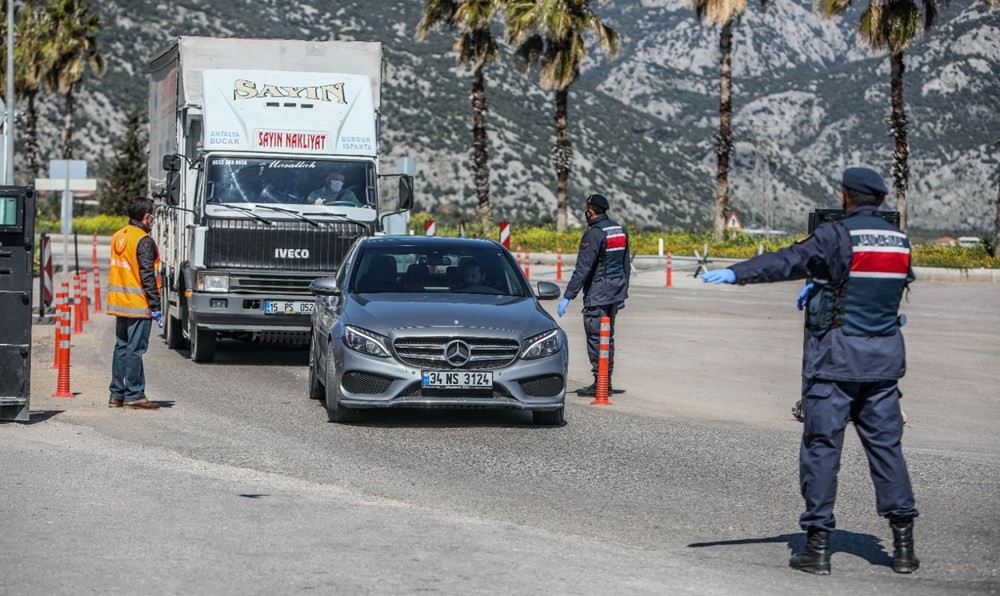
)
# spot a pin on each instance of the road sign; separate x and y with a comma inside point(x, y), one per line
point(733, 223)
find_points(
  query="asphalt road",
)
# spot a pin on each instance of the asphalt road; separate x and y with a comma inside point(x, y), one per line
point(688, 484)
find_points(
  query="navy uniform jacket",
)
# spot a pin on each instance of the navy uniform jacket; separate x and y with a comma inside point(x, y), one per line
point(599, 290)
point(835, 356)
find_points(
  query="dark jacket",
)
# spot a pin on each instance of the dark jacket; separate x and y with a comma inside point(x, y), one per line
point(603, 275)
point(146, 254)
point(835, 356)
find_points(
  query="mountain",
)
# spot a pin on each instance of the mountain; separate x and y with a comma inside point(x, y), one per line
point(807, 99)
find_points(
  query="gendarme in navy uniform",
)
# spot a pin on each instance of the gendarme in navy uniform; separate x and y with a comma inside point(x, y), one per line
point(854, 356)
point(602, 272)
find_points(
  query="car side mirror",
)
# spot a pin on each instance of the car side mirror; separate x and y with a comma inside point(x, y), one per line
point(325, 286)
point(172, 163)
point(548, 290)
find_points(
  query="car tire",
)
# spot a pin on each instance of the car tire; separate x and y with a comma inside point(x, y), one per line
point(334, 411)
point(316, 387)
point(548, 417)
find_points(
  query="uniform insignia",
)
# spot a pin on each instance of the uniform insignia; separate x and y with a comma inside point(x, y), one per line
point(804, 239)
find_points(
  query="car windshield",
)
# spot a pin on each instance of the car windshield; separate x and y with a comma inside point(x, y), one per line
point(289, 181)
point(452, 268)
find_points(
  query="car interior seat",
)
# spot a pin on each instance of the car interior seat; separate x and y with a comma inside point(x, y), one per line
point(381, 275)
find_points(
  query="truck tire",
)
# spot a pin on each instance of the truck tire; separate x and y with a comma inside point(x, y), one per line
point(334, 411)
point(172, 329)
point(202, 343)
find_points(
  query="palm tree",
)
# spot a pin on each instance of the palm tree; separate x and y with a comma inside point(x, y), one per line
point(475, 45)
point(550, 33)
point(893, 25)
point(32, 30)
point(722, 12)
point(72, 47)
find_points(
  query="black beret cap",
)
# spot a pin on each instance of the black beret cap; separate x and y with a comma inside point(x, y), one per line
point(864, 180)
point(598, 201)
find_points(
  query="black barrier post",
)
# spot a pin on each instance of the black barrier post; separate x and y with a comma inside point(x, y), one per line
point(17, 234)
point(41, 278)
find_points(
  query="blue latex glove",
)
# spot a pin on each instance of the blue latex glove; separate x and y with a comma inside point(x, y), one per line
point(803, 296)
point(157, 316)
point(719, 276)
point(561, 309)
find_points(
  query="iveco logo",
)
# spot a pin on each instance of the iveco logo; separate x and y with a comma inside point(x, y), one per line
point(291, 253)
point(457, 353)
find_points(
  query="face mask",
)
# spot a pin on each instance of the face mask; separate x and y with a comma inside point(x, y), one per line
point(336, 185)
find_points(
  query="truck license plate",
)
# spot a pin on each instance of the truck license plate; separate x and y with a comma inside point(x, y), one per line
point(288, 307)
point(433, 379)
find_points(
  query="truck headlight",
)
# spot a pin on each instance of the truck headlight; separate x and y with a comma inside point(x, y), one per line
point(210, 282)
point(366, 342)
point(543, 344)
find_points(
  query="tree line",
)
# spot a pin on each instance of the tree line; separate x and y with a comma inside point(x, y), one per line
point(550, 34)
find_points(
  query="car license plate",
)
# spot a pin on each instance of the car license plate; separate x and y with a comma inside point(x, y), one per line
point(288, 307)
point(434, 379)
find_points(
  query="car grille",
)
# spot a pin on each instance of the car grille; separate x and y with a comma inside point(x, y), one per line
point(253, 283)
point(428, 352)
point(546, 386)
point(360, 382)
point(416, 390)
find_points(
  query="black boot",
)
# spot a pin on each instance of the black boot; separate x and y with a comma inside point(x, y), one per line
point(815, 557)
point(904, 558)
point(590, 391)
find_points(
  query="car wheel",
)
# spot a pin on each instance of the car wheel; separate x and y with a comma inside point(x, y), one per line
point(548, 417)
point(334, 411)
point(316, 389)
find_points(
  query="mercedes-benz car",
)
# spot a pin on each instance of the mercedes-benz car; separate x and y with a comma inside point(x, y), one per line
point(435, 322)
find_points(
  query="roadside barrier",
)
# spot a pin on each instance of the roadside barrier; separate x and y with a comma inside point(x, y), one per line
point(45, 271)
point(527, 264)
point(97, 289)
point(559, 263)
point(670, 269)
point(62, 384)
point(461, 229)
point(429, 228)
point(93, 257)
point(84, 298)
point(505, 234)
point(77, 303)
point(601, 397)
point(62, 327)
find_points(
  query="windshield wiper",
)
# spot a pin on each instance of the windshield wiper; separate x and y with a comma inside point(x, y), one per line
point(244, 210)
point(290, 212)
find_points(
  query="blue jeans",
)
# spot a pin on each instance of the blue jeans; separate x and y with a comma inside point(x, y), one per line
point(128, 380)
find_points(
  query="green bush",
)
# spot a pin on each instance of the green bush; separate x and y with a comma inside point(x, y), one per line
point(102, 225)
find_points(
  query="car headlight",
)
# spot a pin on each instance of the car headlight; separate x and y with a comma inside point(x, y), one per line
point(366, 342)
point(543, 344)
point(210, 282)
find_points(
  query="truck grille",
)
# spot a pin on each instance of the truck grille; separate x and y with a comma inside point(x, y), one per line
point(262, 283)
point(284, 246)
point(428, 352)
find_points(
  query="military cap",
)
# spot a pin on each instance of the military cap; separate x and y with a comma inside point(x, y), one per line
point(598, 201)
point(864, 180)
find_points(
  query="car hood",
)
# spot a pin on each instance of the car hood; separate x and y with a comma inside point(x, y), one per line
point(433, 314)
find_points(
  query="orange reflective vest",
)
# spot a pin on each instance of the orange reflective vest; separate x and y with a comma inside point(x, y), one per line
point(126, 297)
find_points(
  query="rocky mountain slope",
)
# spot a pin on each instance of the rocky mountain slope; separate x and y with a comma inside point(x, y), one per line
point(808, 101)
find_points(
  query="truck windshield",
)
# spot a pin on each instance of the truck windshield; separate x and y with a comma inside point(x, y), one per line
point(289, 181)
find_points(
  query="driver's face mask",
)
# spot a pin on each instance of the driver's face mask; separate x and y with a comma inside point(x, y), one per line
point(335, 185)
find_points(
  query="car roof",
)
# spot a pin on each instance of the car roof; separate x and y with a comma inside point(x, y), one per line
point(437, 241)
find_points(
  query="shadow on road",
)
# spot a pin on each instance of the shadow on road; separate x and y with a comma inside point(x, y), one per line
point(36, 416)
point(866, 546)
point(444, 418)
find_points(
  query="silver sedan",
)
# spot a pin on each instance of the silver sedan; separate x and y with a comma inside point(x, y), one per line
point(435, 322)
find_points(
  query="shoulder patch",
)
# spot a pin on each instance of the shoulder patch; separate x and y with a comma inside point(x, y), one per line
point(804, 239)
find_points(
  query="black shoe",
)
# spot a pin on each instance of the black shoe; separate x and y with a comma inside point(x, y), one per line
point(815, 557)
point(904, 557)
point(589, 391)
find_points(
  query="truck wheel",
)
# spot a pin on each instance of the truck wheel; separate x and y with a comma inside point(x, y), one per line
point(172, 329)
point(548, 417)
point(316, 389)
point(334, 411)
point(202, 343)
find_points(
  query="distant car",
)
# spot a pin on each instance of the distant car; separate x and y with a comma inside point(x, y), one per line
point(435, 322)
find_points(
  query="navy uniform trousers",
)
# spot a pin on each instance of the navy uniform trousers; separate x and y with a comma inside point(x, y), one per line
point(592, 325)
point(874, 409)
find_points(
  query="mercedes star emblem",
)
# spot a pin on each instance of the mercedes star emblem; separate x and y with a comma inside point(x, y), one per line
point(457, 353)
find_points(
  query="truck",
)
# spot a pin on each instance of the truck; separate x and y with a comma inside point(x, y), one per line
point(264, 164)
